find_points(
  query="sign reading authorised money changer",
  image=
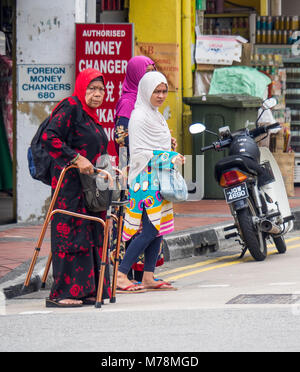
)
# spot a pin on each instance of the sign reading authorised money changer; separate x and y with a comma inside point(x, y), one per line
point(107, 48)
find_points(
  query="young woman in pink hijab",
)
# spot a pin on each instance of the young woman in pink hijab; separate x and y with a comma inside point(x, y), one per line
point(136, 69)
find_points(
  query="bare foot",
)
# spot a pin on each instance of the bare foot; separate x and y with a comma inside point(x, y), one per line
point(91, 298)
point(69, 301)
point(148, 279)
point(149, 282)
point(124, 282)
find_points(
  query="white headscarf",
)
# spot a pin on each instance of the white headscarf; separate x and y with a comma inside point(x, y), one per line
point(148, 129)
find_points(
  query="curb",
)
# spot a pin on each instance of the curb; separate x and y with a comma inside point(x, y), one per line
point(183, 244)
point(11, 285)
point(196, 241)
point(199, 240)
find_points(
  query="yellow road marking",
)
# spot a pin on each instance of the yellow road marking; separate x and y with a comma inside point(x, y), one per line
point(199, 264)
point(215, 260)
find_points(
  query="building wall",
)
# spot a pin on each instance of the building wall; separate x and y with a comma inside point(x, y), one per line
point(159, 22)
point(261, 6)
point(290, 7)
point(45, 35)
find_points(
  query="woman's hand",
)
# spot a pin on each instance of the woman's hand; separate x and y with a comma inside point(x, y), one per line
point(84, 165)
point(173, 143)
point(178, 159)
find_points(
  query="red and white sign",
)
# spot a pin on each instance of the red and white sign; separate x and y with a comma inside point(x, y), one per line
point(108, 48)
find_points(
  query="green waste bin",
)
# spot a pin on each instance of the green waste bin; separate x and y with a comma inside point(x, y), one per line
point(217, 111)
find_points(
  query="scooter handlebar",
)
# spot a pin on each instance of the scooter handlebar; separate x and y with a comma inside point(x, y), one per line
point(274, 126)
point(206, 148)
point(263, 129)
point(223, 143)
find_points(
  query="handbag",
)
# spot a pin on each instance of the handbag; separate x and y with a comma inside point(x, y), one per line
point(98, 195)
point(172, 185)
point(95, 200)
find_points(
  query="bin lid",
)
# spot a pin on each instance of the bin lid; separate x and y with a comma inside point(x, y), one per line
point(226, 100)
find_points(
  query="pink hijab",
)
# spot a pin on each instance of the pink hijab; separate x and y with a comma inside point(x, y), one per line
point(136, 69)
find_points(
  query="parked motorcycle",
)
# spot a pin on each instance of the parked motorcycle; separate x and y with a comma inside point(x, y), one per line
point(253, 187)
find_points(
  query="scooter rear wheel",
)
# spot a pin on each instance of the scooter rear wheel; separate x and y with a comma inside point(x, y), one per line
point(280, 244)
point(254, 240)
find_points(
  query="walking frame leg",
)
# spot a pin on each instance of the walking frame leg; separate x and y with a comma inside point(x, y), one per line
point(35, 256)
point(117, 256)
point(46, 271)
point(44, 228)
point(103, 259)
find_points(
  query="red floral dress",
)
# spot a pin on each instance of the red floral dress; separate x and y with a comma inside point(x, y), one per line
point(76, 244)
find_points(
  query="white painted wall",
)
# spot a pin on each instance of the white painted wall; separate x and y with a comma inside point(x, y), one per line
point(45, 35)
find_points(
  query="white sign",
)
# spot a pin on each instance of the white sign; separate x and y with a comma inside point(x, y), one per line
point(218, 50)
point(45, 82)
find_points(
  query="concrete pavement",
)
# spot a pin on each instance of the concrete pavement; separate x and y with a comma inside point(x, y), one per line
point(198, 227)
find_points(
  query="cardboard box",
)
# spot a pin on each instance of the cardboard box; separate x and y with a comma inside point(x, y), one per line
point(245, 60)
point(277, 142)
point(246, 55)
point(286, 163)
point(219, 49)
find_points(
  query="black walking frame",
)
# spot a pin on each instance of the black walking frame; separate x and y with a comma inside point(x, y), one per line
point(119, 205)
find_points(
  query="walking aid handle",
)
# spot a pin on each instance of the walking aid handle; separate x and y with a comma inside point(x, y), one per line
point(107, 174)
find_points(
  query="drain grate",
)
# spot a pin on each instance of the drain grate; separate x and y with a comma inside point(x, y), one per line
point(260, 299)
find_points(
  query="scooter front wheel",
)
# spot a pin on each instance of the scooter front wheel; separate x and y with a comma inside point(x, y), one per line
point(254, 239)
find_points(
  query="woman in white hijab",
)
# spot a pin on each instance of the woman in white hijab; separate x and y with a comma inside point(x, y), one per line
point(150, 149)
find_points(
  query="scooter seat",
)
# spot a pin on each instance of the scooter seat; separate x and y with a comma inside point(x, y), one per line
point(236, 161)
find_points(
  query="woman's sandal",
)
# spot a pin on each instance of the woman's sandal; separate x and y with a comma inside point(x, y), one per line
point(132, 288)
point(89, 301)
point(162, 286)
point(57, 303)
point(155, 279)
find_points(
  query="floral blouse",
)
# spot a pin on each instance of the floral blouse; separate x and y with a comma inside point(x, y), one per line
point(144, 192)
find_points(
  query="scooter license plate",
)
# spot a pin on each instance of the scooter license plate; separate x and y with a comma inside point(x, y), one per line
point(236, 193)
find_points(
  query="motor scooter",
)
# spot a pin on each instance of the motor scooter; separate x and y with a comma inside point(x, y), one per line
point(253, 187)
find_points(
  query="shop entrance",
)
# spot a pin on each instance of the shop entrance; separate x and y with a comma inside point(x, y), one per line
point(7, 21)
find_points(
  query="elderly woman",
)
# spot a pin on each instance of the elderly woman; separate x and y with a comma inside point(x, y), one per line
point(150, 149)
point(75, 135)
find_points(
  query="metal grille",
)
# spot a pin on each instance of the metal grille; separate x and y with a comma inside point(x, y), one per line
point(112, 5)
point(259, 299)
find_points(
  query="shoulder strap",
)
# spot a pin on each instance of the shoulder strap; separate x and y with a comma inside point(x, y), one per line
point(44, 124)
point(78, 119)
point(78, 106)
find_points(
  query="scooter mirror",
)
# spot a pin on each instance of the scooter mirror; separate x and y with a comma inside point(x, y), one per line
point(270, 103)
point(197, 128)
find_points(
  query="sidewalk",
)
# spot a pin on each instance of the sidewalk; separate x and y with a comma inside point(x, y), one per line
point(17, 241)
point(198, 227)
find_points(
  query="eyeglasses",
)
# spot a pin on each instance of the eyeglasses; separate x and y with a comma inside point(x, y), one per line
point(158, 92)
point(94, 89)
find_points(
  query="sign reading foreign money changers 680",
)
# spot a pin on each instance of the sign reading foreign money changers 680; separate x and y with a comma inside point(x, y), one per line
point(45, 82)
